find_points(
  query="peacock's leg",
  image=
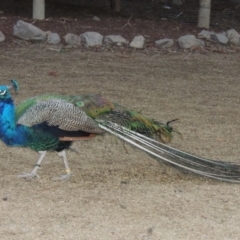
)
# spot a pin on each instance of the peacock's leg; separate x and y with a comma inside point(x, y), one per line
point(33, 173)
point(68, 175)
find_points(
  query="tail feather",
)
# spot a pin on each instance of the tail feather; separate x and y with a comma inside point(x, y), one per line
point(138, 123)
point(220, 170)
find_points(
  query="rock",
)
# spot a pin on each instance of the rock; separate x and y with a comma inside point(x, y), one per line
point(72, 39)
point(53, 38)
point(95, 18)
point(233, 36)
point(200, 42)
point(2, 37)
point(164, 43)
point(27, 31)
point(91, 39)
point(204, 34)
point(138, 42)
point(115, 39)
point(187, 41)
point(220, 38)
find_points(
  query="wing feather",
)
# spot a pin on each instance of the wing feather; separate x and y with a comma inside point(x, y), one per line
point(58, 112)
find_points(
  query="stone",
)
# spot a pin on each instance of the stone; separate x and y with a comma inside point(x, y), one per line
point(115, 39)
point(164, 43)
point(53, 38)
point(138, 42)
point(187, 41)
point(27, 31)
point(233, 36)
point(72, 39)
point(95, 18)
point(200, 42)
point(91, 39)
point(220, 38)
point(2, 37)
point(204, 34)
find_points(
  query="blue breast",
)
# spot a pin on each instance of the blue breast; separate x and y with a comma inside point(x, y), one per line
point(11, 134)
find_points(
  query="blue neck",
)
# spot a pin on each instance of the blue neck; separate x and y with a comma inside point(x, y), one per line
point(11, 134)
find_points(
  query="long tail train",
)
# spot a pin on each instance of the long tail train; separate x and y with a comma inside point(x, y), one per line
point(220, 170)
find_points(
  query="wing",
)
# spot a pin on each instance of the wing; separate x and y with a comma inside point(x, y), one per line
point(92, 105)
point(56, 112)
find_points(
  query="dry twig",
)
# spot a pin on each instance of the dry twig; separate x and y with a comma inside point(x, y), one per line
point(128, 22)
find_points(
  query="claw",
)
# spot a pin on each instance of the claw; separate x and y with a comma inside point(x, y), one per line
point(65, 177)
point(29, 176)
point(33, 173)
point(62, 177)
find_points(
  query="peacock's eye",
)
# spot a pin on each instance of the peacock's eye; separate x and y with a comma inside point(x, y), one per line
point(2, 92)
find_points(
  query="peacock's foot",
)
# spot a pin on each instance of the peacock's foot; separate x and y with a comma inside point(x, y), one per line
point(29, 176)
point(63, 177)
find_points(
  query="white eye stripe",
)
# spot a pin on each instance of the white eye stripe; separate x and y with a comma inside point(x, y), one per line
point(2, 92)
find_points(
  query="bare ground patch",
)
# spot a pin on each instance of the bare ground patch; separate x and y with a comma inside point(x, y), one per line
point(118, 192)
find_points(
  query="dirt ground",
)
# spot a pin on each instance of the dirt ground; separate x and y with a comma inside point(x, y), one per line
point(117, 191)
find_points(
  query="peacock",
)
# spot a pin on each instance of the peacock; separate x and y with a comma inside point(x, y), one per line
point(52, 122)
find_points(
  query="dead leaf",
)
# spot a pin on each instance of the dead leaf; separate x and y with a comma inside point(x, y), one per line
point(53, 73)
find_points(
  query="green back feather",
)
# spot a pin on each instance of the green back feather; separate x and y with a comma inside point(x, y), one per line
point(98, 107)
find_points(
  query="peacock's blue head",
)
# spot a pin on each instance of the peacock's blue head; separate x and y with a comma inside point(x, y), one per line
point(4, 93)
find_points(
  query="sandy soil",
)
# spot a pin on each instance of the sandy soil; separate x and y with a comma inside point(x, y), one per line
point(116, 191)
